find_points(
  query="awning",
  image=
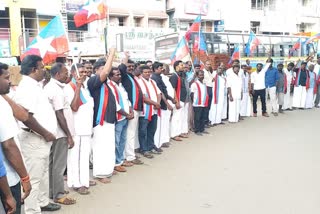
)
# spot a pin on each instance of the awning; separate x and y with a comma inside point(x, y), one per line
point(138, 13)
point(157, 15)
point(118, 12)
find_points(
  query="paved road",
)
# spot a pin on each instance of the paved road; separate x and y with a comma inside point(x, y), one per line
point(259, 166)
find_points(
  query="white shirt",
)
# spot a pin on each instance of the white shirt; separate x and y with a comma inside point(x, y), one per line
point(234, 82)
point(289, 75)
point(31, 96)
point(258, 79)
point(208, 76)
point(58, 100)
point(195, 91)
point(83, 118)
point(245, 82)
point(166, 81)
point(8, 129)
point(153, 90)
point(230, 71)
point(124, 96)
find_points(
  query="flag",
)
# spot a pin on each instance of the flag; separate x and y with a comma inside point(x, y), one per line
point(180, 52)
point(50, 43)
point(196, 61)
point(253, 42)
point(295, 47)
point(199, 43)
point(195, 27)
point(312, 38)
point(90, 12)
point(235, 55)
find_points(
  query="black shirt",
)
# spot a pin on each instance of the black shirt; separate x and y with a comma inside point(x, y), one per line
point(163, 88)
point(94, 86)
point(174, 82)
point(303, 77)
point(127, 84)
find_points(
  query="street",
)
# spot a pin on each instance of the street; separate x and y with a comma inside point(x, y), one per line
point(258, 166)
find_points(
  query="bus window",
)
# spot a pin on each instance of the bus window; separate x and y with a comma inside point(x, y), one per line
point(223, 48)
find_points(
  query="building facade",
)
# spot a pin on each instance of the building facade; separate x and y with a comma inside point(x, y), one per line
point(276, 17)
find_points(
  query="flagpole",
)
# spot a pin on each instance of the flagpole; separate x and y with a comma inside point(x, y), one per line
point(300, 49)
point(67, 36)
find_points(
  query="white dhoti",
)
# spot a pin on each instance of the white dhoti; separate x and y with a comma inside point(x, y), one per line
point(184, 118)
point(234, 110)
point(78, 162)
point(287, 102)
point(299, 97)
point(216, 111)
point(132, 137)
point(165, 126)
point(175, 124)
point(225, 107)
point(103, 147)
point(310, 98)
point(157, 134)
point(245, 106)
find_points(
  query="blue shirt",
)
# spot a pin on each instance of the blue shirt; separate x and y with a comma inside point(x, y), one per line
point(3, 171)
point(271, 77)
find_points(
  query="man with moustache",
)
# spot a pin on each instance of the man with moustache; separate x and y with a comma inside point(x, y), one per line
point(37, 133)
point(165, 106)
point(317, 71)
point(81, 103)
point(148, 118)
point(59, 148)
point(208, 81)
point(178, 83)
point(123, 116)
point(234, 85)
point(17, 174)
point(300, 86)
point(287, 102)
point(130, 84)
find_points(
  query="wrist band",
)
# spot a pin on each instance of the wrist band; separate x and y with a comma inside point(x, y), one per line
point(25, 179)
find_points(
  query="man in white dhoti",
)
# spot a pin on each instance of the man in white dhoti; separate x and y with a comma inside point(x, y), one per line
point(165, 106)
point(178, 83)
point(245, 107)
point(200, 99)
point(311, 87)
point(300, 91)
point(234, 85)
point(287, 103)
point(130, 83)
point(317, 71)
point(225, 100)
point(217, 103)
point(166, 114)
point(281, 86)
point(105, 108)
point(81, 103)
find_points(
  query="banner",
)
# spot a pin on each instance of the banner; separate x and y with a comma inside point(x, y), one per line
point(199, 7)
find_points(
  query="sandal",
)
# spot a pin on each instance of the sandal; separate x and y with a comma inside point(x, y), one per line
point(92, 183)
point(82, 190)
point(104, 180)
point(176, 139)
point(65, 201)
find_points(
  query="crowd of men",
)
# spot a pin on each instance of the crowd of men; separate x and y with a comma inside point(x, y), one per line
point(106, 115)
